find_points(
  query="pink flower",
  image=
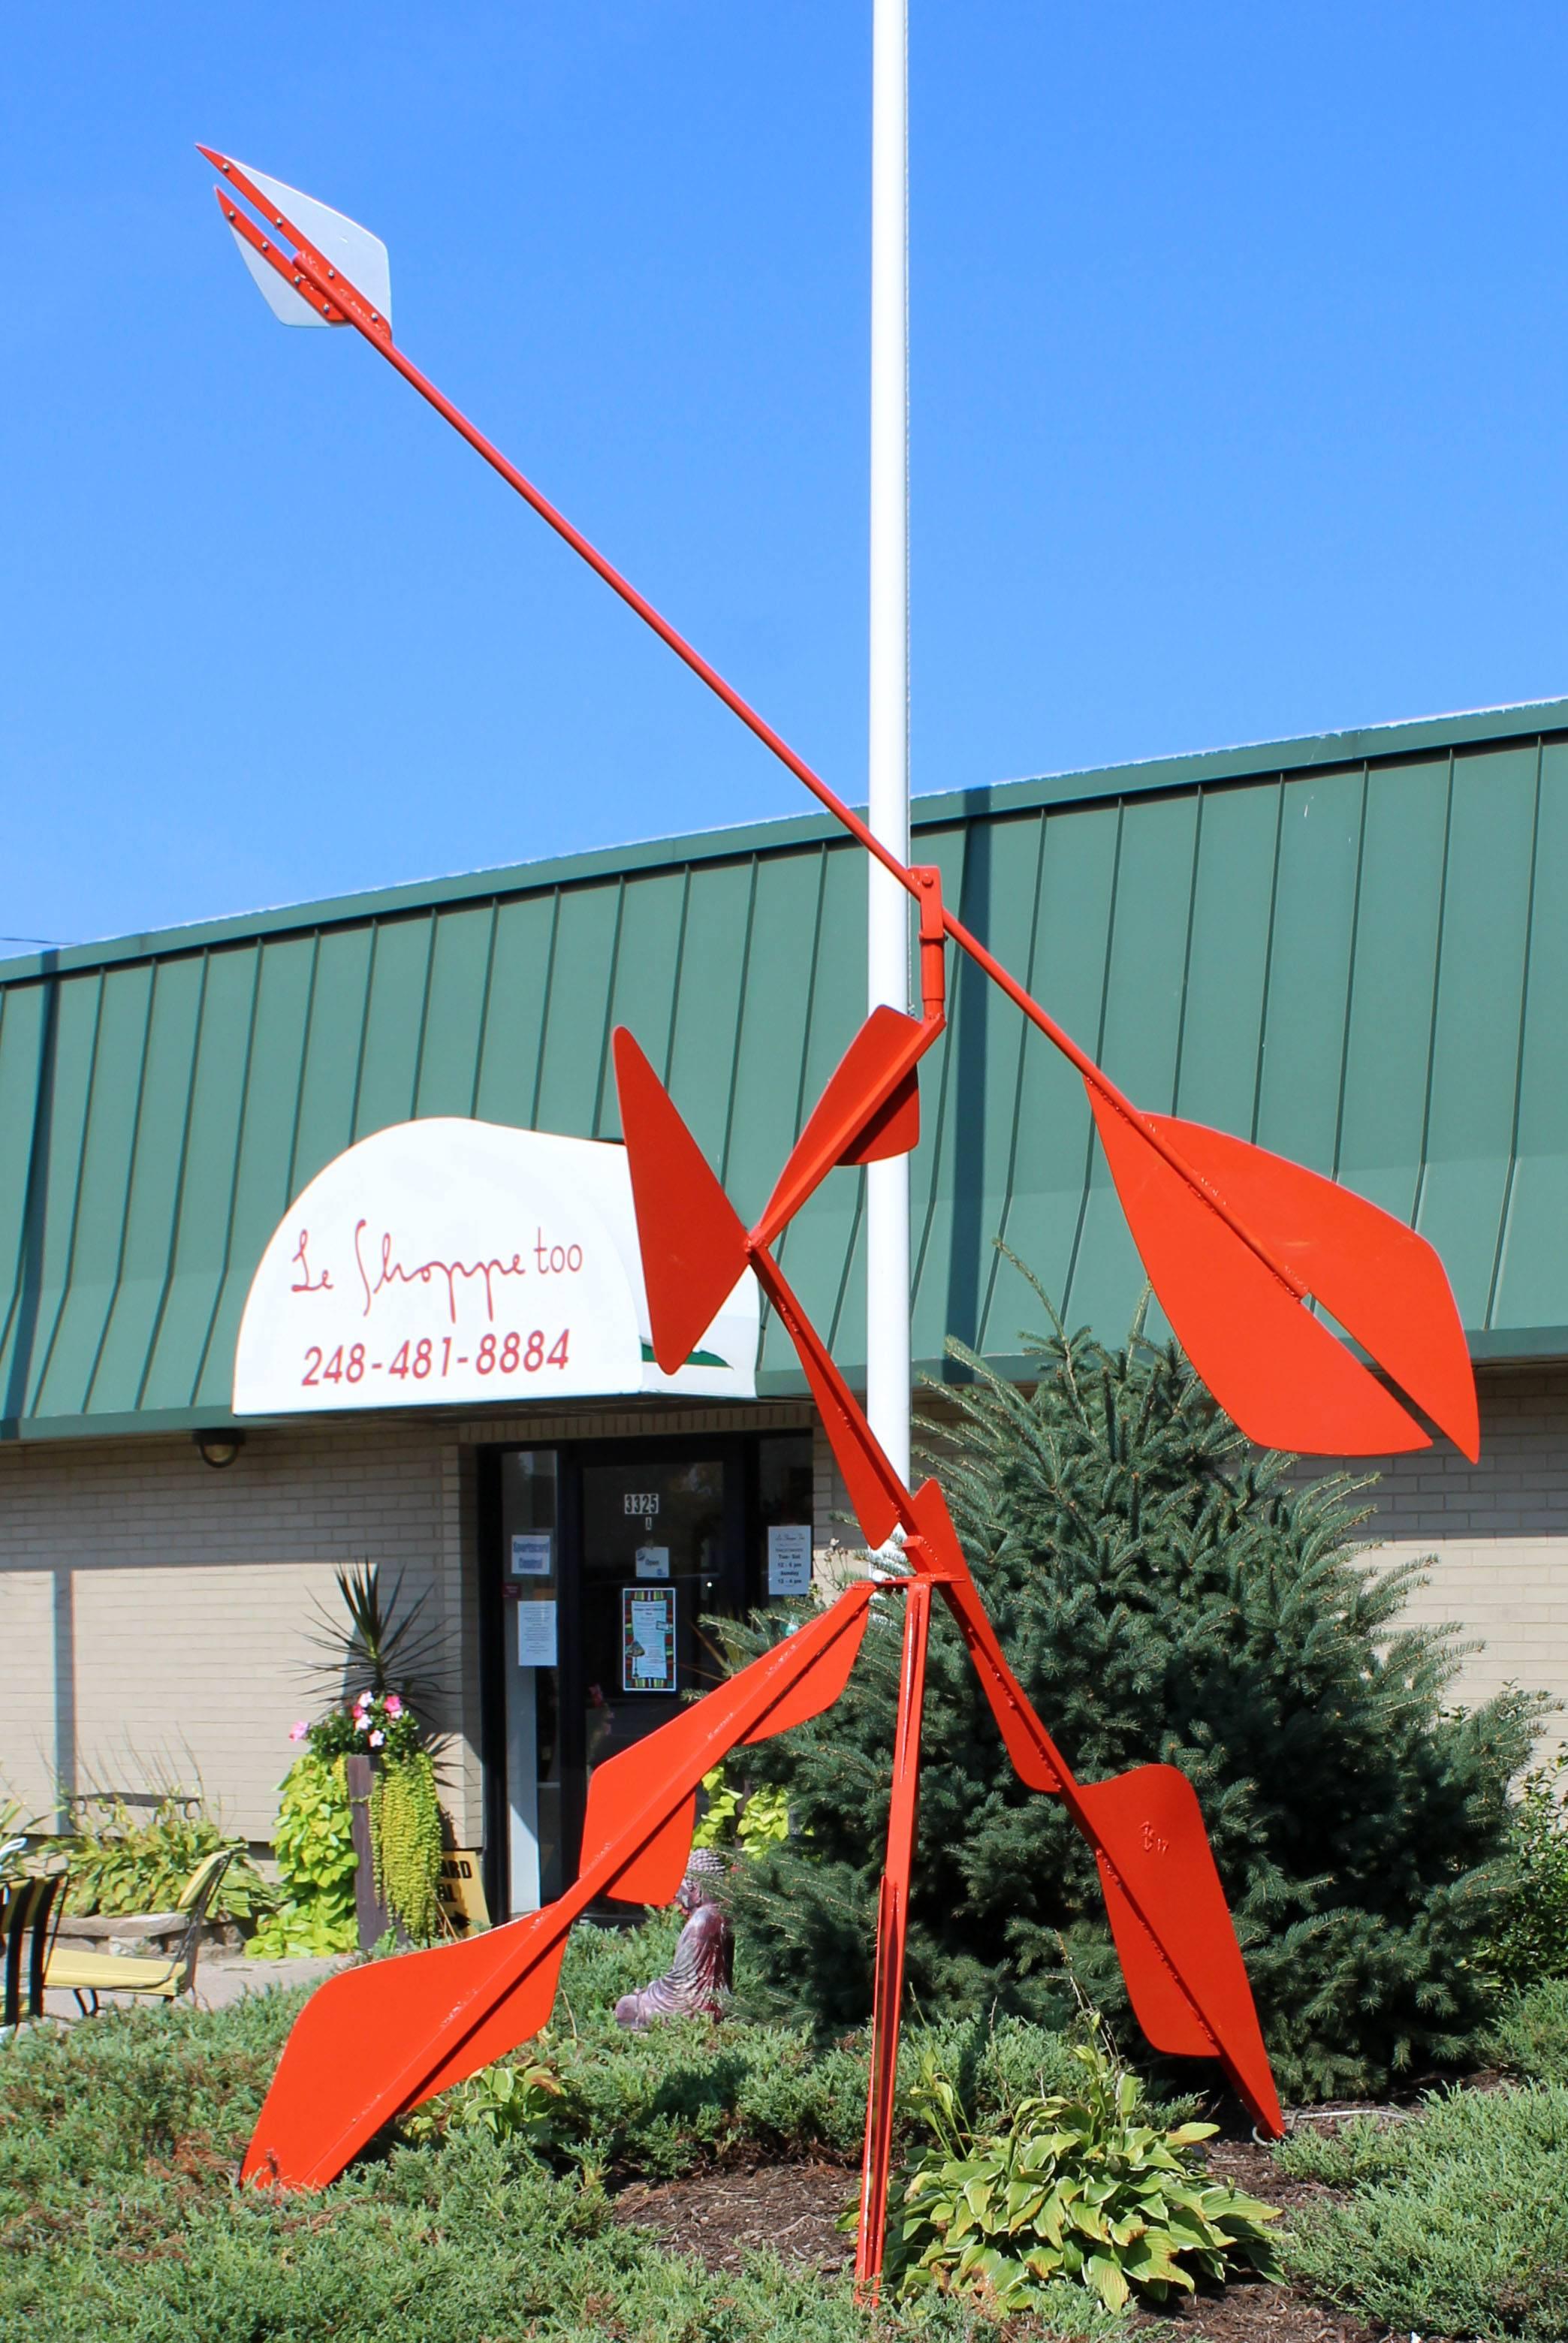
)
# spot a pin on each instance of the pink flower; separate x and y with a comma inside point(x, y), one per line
point(376, 1739)
point(298, 1732)
point(393, 1704)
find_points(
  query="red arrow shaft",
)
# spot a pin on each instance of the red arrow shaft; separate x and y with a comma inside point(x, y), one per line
point(330, 285)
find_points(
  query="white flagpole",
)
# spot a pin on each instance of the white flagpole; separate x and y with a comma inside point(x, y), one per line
point(888, 1363)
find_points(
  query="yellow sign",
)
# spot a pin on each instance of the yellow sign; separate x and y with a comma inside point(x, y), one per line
point(461, 1890)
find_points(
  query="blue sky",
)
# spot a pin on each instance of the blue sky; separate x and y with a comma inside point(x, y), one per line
point(1240, 380)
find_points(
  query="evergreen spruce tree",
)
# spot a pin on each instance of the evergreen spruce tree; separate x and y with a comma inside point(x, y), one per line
point(1164, 1591)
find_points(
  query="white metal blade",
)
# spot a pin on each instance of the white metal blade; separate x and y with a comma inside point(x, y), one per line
point(280, 297)
point(361, 257)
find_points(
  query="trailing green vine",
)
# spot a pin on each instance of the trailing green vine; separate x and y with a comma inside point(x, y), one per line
point(406, 1842)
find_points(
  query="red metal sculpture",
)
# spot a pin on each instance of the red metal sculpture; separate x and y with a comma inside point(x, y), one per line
point(1235, 1241)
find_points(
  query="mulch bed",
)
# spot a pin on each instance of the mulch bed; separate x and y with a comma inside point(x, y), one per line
point(722, 2215)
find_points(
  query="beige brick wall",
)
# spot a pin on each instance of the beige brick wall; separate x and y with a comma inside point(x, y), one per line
point(1496, 1533)
point(156, 1615)
point(153, 1612)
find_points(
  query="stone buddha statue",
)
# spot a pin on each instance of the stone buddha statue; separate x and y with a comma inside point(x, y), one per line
point(698, 1980)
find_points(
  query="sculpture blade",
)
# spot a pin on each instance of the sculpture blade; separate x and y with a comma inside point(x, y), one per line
point(371, 2043)
point(1385, 1284)
point(867, 1111)
point(1280, 1374)
point(1172, 1926)
point(693, 1245)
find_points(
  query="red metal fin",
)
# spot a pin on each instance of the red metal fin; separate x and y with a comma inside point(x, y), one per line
point(893, 1130)
point(865, 1096)
point(1148, 1831)
point(515, 2018)
point(356, 2055)
point(1168, 2018)
point(617, 1792)
point(816, 1689)
point(1278, 1373)
point(375, 2041)
point(1384, 1284)
point(878, 1495)
point(694, 1247)
point(1034, 1756)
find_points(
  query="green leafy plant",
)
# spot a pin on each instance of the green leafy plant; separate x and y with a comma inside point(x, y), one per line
point(509, 2102)
point(15, 1824)
point(1078, 2186)
point(381, 1638)
point(125, 1859)
point(747, 1820)
point(1532, 1943)
point(405, 1841)
point(314, 1848)
point(1456, 2222)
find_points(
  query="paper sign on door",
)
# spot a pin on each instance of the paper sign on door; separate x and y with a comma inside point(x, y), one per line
point(789, 1558)
point(536, 1634)
point(648, 1639)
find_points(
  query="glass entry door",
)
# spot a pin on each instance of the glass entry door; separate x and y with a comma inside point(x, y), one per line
point(658, 1552)
point(603, 1559)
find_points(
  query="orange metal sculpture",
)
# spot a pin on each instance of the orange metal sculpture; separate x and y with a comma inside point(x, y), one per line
point(1242, 1249)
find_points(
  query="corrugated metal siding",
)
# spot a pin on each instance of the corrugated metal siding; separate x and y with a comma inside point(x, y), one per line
point(1365, 968)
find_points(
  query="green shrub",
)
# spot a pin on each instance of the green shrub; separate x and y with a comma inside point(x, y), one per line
point(315, 1848)
point(1530, 2038)
point(1165, 1594)
point(121, 1861)
point(1458, 2222)
point(1076, 2185)
point(1532, 1941)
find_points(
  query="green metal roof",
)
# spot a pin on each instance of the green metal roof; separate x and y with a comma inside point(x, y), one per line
point(1353, 949)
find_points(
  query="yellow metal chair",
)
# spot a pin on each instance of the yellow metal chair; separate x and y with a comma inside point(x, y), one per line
point(164, 1976)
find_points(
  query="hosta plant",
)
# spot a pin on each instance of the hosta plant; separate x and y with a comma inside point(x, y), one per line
point(1083, 2187)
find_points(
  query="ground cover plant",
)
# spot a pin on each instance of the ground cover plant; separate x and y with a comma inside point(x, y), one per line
point(1164, 1591)
point(1530, 2037)
point(1456, 2223)
point(119, 2138)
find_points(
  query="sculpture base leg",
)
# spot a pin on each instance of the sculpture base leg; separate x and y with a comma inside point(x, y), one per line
point(892, 1923)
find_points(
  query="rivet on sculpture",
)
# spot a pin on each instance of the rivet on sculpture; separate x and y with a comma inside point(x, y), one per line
point(1236, 1242)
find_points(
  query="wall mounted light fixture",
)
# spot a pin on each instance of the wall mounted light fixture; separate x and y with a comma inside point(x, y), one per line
point(218, 1448)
